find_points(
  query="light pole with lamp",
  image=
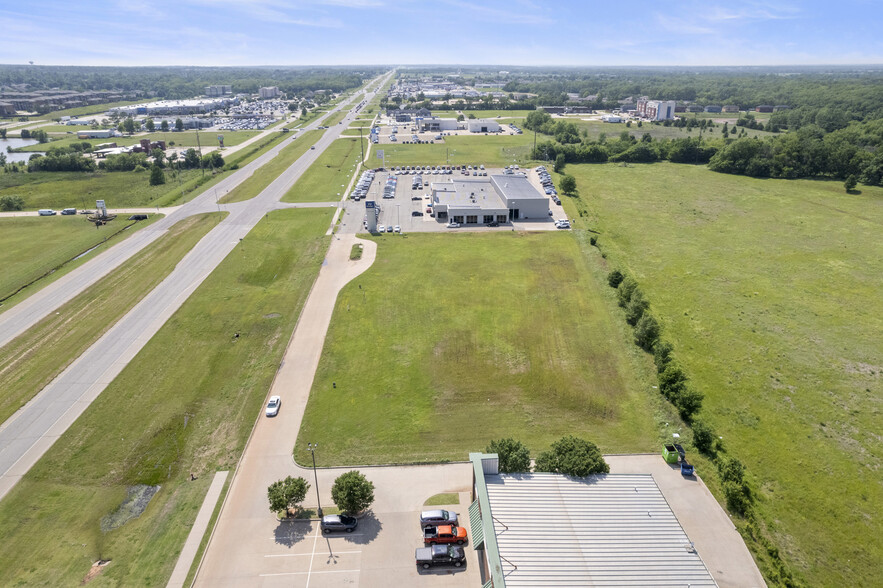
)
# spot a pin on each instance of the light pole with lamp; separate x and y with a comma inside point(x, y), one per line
point(311, 447)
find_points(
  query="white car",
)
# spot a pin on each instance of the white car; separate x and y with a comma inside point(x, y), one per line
point(562, 224)
point(381, 228)
point(397, 229)
point(273, 406)
point(453, 225)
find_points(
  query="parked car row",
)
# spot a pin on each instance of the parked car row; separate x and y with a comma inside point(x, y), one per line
point(515, 129)
point(363, 185)
point(440, 533)
point(548, 184)
point(389, 190)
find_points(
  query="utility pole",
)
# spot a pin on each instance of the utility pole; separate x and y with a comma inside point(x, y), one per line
point(199, 149)
point(312, 449)
point(362, 146)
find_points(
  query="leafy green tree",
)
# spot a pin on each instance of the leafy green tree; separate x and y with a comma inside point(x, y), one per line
point(634, 310)
point(352, 492)
point(129, 125)
point(560, 162)
point(615, 278)
point(2, 159)
point(149, 124)
point(850, 183)
point(287, 494)
point(688, 402)
point(514, 456)
point(157, 176)
point(647, 331)
point(703, 437)
point(574, 457)
point(2, 133)
point(25, 134)
point(164, 126)
point(624, 292)
point(158, 156)
point(567, 184)
point(460, 118)
point(191, 159)
point(179, 125)
point(11, 202)
point(662, 354)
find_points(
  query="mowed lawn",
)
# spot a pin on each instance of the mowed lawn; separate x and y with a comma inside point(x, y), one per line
point(327, 178)
point(32, 246)
point(770, 291)
point(33, 359)
point(186, 403)
point(451, 340)
point(490, 150)
point(184, 138)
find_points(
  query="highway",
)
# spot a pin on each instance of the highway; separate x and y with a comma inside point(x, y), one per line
point(31, 431)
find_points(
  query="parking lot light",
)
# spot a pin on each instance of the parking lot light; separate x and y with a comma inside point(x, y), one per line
point(312, 449)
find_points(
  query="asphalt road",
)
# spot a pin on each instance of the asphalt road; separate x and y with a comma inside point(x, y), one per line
point(31, 431)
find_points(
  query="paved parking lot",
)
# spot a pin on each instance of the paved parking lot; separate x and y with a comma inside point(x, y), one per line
point(408, 208)
point(379, 553)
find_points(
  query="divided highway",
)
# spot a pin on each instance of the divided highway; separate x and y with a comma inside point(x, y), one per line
point(31, 431)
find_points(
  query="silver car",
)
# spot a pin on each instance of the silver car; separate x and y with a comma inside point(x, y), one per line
point(434, 518)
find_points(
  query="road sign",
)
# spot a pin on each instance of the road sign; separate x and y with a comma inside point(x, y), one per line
point(380, 154)
point(370, 204)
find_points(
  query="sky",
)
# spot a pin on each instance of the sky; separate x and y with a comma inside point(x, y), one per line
point(403, 32)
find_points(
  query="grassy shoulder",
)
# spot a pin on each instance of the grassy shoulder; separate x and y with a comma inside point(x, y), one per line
point(769, 290)
point(473, 336)
point(259, 180)
point(327, 178)
point(186, 403)
point(33, 359)
point(31, 247)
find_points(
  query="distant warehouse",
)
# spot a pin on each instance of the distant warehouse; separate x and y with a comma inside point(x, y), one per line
point(656, 109)
point(499, 198)
point(480, 125)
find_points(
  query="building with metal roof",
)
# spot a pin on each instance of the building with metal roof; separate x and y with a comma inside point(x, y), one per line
point(499, 198)
point(537, 530)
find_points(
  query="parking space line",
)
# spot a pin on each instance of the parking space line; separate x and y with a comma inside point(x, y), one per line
point(300, 554)
point(319, 572)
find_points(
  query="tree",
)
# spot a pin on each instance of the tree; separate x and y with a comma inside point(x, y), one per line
point(615, 278)
point(703, 437)
point(150, 125)
point(460, 118)
point(286, 494)
point(191, 158)
point(129, 125)
point(634, 310)
point(352, 492)
point(514, 456)
point(567, 184)
point(2, 159)
point(2, 133)
point(850, 183)
point(179, 124)
point(574, 457)
point(560, 161)
point(647, 331)
point(164, 126)
point(624, 292)
point(157, 176)
point(11, 202)
point(25, 134)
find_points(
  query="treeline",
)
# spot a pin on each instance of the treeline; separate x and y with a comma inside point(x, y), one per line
point(853, 92)
point(185, 82)
point(853, 154)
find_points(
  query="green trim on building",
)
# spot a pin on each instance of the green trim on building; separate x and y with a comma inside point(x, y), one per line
point(475, 524)
point(492, 551)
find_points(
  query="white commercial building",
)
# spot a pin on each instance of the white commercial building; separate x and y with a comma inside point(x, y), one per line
point(269, 92)
point(434, 123)
point(480, 125)
point(538, 530)
point(499, 198)
point(195, 106)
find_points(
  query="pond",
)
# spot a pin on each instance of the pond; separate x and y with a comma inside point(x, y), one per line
point(14, 143)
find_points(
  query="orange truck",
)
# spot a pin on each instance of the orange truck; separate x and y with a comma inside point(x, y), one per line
point(444, 534)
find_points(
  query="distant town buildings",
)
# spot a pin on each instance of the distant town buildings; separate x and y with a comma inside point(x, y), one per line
point(14, 99)
point(195, 106)
point(269, 93)
point(216, 91)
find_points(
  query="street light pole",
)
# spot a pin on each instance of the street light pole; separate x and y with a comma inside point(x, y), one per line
point(312, 449)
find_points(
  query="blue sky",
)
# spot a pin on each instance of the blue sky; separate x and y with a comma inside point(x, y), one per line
point(521, 32)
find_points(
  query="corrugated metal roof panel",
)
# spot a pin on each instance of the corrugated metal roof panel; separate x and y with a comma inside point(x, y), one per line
point(607, 530)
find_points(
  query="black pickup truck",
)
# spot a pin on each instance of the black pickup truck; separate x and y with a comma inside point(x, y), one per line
point(440, 555)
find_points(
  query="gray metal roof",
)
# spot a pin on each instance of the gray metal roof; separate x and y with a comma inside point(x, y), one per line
point(605, 530)
point(515, 187)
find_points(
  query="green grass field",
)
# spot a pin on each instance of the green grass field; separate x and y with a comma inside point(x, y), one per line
point(182, 139)
point(473, 337)
point(186, 403)
point(335, 118)
point(333, 169)
point(262, 178)
point(32, 246)
point(32, 360)
point(463, 150)
point(594, 128)
point(770, 292)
